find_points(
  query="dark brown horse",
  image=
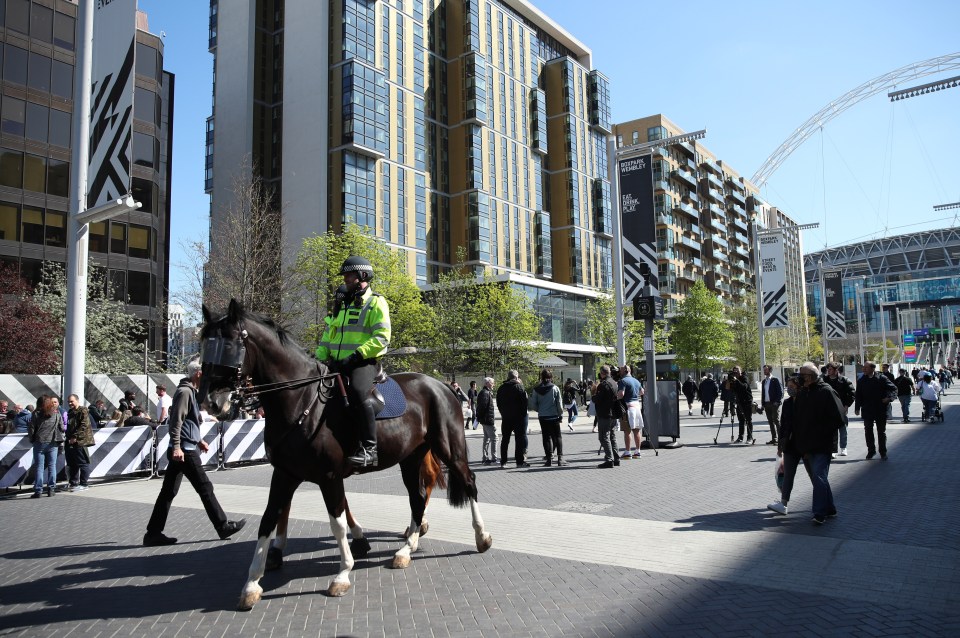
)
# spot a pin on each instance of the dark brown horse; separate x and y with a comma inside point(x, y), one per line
point(308, 432)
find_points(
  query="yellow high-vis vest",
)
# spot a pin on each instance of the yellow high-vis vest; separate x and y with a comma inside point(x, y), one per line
point(361, 326)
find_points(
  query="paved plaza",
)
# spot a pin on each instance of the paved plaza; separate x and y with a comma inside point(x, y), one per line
point(675, 544)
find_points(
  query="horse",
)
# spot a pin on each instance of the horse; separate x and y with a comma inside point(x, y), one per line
point(308, 435)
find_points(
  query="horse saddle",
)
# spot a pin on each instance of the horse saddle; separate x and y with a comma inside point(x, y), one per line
point(390, 396)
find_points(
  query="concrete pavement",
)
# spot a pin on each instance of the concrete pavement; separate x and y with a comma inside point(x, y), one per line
point(676, 544)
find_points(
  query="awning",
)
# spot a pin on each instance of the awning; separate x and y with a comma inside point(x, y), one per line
point(551, 361)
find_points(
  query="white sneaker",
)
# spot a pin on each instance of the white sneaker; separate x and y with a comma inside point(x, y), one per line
point(778, 507)
point(833, 455)
point(689, 412)
point(843, 451)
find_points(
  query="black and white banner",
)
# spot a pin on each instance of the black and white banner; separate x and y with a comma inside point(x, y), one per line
point(209, 432)
point(111, 97)
point(773, 281)
point(638, 226)
point(243, 441)
point(835, 323)
point(24, 389)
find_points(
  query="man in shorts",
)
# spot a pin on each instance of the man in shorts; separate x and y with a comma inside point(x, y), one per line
point(629, 391)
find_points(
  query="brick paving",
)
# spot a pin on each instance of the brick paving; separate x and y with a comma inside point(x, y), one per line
point(678, 544)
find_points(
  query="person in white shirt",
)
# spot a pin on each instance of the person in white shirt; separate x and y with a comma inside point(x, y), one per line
point(929, 391)
point(164, 401)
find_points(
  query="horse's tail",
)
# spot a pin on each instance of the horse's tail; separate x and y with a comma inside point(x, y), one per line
point(431, 472)
point(458, 494)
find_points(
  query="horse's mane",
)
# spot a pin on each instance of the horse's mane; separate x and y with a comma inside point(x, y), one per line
point(280, 331)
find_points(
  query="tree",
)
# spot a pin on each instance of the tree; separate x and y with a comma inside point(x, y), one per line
point(114, 337)
point(507, 330)
point(600, 328)
point(27, 332)
point(316, 275)
point(744, 332)
point(700, 335)
point(786, 345)
point(453, 323)
point(813, 350)
point(243, 258)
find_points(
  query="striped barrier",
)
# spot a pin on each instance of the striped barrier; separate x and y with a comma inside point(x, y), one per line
point(243, 441)
point(209, 432)
point(24, 389)
point(16, 461)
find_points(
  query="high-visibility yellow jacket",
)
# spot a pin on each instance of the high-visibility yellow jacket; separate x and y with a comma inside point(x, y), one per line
point(361, 326)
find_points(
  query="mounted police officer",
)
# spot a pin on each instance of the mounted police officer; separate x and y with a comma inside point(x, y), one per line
point(357, 334)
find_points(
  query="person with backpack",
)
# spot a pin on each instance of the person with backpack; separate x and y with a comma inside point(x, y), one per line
point(570, 389)
point(545, 399)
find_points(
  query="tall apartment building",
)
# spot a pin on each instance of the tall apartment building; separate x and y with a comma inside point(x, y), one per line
point(438, 124)
point(38, 40)
point(704, 210)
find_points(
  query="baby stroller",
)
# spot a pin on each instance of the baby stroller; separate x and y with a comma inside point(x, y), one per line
point(937, 414)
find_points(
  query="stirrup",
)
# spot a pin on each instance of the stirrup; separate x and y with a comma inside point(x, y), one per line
point(364, 457)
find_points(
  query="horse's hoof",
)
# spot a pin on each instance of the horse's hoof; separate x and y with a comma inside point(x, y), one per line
point(401, 562)
point(338, 588)
point(424, 528)
point(485, 543)
point(274, 559)
point(359, 547)
point(249, 598)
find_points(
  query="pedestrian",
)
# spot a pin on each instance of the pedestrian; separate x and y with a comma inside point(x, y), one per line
point(604, 397)
point(46, 435)
point(885, 371)
point(874, 393)
point(743, 401)
point(487, 418)
point(79, 438)
point(771, 395)
point(818, 417)
point(98, 414)
point(629, 391)
point(786, 446)
point(164, 401)
point(690, 392)
point(570, 389)
point(929, 390)
point(512, 404)
point(21, 422)
point(729, 400)
point(472, 393)
point(844, 389)
point(183, 455)
point(905, 390)
point(545, 399)
point(708, 392)
point(137, 418)
point(128, 401)
point(465, 405)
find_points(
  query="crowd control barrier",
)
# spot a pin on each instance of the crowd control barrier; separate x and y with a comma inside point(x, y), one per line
point(139, 449)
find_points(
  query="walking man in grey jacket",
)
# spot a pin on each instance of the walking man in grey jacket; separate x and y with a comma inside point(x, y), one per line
point(545, 399)
point(183, 455)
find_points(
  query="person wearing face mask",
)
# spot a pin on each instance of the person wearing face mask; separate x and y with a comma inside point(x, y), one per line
point(786, 448)
point(357, 335)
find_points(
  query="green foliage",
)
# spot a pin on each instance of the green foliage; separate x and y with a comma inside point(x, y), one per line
point(449, 335)
point(506, 330)
point(700, 334)
point(813, 350)
point(317, 273)
point(114, 337)
point(745, 335)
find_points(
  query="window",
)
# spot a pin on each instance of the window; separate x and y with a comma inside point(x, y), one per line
point(34, 173)
point(39, 77)
point(142, 191)
point(146, 150)
point(9, 221)
point(37, 122)
point(146, 61)
point(15, 65)
point(635, 139)
point(60, 128)
point(118, 238)
point(18, 16)
point(138, 286)
point(14, 117)
point(41, 23)
point(64, 29)
point(58, 177)
point(56, 229)
point(62, 81)
point(31, 225)
point(145, 105)
point(139, 244)
point(98, 237)
point(11, 168)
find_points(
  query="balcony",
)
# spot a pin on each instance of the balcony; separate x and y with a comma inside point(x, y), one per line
point(717, 224)
point(661, 151)
point(737, 196)
point(721, 286)
point(715, 194)
point(733, 181)
point(662, 185)
point(691, 196)
point(665, 219)
point(686, 208)
point(720, 241)
point(715, 181)
point(742, 238)
point(737, 210)
point(742, 225)
point(694, 230)
point(722, 270)
point(713, 167)
point(668, 284)
point(686, 147)
point(716, 210)
point(742, 265)
point(690, 243)
point(692, 165)
point(685, 177)
point(696, 261)
point(687, 273)
point(742, 251)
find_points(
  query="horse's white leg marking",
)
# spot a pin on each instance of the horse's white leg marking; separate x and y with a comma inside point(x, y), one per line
point(401, 560)
point(341, 583)
point(252, 590)
point(356, 531)
point(484, 540)
point(279, 542)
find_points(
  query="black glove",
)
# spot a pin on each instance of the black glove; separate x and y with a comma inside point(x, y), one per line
point(353, 361)
point(332, 365)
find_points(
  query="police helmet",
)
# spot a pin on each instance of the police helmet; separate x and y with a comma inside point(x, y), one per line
point(358, 265)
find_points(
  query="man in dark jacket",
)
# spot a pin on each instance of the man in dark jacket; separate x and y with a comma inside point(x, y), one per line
point(771, 395)
point(545, 399)
point(690, 392)
point(604, 402)
point(743, 397)
point(512, 404)
point(79, 438)
point(136, 418)
point(874, 393)
point(905, 389)
point(487, 418)
point(708, 392)
point(844, 389)
point(183, 456)
point(817, 417)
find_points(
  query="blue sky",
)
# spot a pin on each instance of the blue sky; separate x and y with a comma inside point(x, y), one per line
point(748, 72)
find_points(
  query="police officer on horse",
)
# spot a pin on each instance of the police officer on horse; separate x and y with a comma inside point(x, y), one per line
point(356, 336)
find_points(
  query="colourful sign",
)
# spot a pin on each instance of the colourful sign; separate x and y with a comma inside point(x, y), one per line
point(909, 349)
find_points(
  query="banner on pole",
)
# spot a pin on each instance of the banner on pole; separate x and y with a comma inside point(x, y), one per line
point(835, 324)
point(774, 283)
point(909, 349)
point(111, 100)
point(638, 225)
